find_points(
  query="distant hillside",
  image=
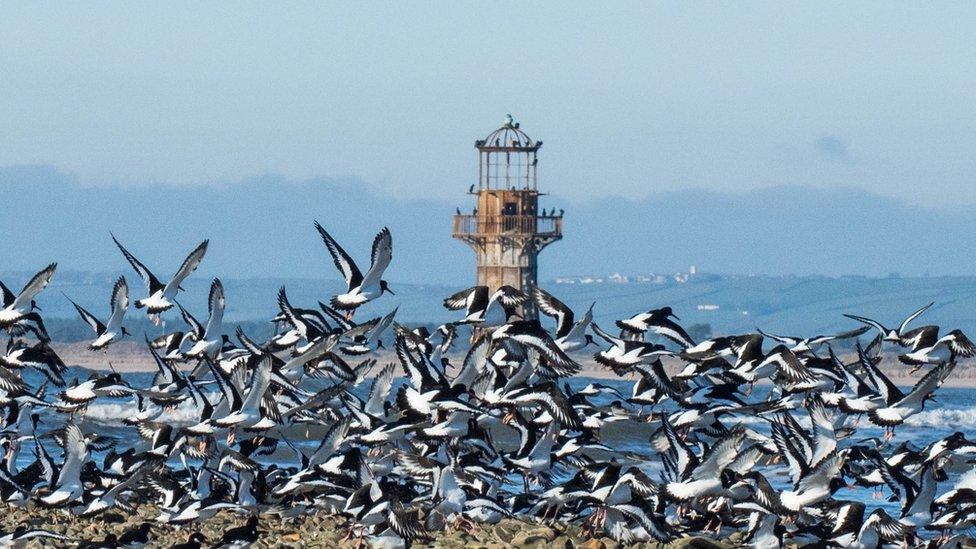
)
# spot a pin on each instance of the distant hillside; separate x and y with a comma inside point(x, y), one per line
point(727, 304)
point(262, 228)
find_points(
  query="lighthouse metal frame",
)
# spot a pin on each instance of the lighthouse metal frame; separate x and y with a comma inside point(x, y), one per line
point(506, 231)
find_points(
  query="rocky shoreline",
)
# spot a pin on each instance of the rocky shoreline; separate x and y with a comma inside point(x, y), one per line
point(315, 530)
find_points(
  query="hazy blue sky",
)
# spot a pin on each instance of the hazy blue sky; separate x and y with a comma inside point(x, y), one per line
point(628, 97)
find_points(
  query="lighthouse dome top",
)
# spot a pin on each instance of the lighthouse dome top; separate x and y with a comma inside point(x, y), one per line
point(508, 138)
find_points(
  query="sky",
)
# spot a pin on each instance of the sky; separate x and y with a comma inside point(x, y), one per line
point(630, 98)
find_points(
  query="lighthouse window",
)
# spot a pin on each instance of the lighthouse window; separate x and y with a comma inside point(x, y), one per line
point(511, 208)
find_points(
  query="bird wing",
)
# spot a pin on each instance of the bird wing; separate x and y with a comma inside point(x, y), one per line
point(260, 381)
point(795, 462)
point(842, 335)
point(286, 309)
point(555, 357)
point(475, 362)
point(579, 329)
point(921, 338)
point(89, 318)
point(929, 383)
point(33, 287)
point(152, 283)
point(421, 377)
point(869, 322)
point(459, 300)
point(682, 457)
point(673, 331)
point(215, 304)
point(825, 440)
point(889, 391)
point(599, 331)
point(822, 473)
point(119, 302)
point(380, 328)
point(510, 297)
point(345, 264)
point(331, 441)
point(913, 316)
point(8, 296)
point(168, 374)
point(789, 365)
point(720, 455)
point(11, 382)
point(381, 257)
point(791, 341)
point(959, 343)
point(194, 324)
point(403, 525)
point(379, 390)
point(890, 529)
point(189, 265)
point(550, 398)
point(555, 308)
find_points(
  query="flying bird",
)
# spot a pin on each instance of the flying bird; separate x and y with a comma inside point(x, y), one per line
point(360, 289)
point(161, 297)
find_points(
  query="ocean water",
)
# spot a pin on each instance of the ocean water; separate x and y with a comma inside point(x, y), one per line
point(953, 410)
point(728, 304)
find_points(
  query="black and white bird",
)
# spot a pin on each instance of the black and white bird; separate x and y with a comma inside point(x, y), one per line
point(899, 336)
point(899, 407)
point(112, 330)
point(360, 288)
point(39, 356)
point(23, 533)
point(531, 334)
point(928, 348)
point(799, 344)
point(20, 308)
point(570, 335)
point(486, 309)
point(68, 487)
point(240, 537)
point(161, 297)
point(624, 354)
point(658, 321)
point(210, 340)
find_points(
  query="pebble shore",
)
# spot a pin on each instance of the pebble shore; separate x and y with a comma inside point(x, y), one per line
point(318, 530)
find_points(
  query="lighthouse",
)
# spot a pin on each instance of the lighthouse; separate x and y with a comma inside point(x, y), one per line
point(506, 229)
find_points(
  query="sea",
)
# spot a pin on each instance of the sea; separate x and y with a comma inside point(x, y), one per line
point(954, 409)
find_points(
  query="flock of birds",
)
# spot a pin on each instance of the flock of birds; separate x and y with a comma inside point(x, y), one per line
point(500, 433)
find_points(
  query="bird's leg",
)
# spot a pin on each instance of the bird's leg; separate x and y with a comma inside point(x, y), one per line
point(462, 524)
point(351, 528)
point(525, 482)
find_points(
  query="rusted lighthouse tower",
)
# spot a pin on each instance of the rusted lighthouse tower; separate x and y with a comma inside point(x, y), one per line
point(506, 230)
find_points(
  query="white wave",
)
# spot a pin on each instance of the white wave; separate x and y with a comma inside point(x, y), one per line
point(115, 412)
point(944, 418)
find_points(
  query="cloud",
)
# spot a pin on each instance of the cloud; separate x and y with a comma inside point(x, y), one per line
point(833, 146)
